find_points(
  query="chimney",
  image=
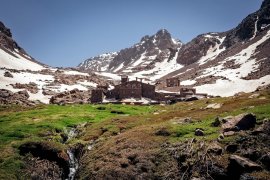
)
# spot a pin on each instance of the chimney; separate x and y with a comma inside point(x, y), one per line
point(124, 79)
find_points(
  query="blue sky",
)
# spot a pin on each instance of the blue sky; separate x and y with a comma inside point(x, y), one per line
point(63, 33)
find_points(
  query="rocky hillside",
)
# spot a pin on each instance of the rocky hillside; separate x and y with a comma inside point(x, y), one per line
point(237, 58)
point(23, 80)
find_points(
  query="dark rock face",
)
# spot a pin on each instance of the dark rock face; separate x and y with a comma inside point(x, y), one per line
point(7, 41)
point(5, 30)
point(198, 47)
point(246, 29)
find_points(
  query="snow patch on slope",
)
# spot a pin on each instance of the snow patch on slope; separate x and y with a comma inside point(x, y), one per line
point(161, 69)
point(19, 62)
point(235, 83)
point(212, 52)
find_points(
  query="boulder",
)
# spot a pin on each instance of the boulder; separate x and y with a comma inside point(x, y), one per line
point(217, 122)
point(238, 165)
point(264, 128)
point(162, 132)
point(266, 161)
point(214, 106)
point(232, 148)
point(199, 132)
point(215, 149)
point(4, 93)
point(8, 74)
point(240, 122)
point(228, 133)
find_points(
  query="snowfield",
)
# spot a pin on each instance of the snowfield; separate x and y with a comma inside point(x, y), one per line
point(19, 62)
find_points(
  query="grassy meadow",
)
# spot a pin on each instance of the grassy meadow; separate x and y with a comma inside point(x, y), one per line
point(117, 127)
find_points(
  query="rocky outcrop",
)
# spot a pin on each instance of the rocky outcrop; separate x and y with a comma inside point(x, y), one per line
point(20, 97)
point(71, 97)
point(31, 87)
point(8, 74)
point(248, 27)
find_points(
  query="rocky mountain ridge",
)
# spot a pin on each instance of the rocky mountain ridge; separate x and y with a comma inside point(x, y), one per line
point(241, 49)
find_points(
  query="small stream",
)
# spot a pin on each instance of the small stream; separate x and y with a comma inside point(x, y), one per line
point(73, 165)
point(73, 161)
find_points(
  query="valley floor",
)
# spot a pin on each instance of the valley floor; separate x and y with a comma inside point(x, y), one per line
point(140, 142)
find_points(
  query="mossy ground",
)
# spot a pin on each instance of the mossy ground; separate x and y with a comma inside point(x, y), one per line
point(120, 136)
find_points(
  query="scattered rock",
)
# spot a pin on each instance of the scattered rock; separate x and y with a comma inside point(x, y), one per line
point(199, 132)
point(214, 148)
point(232, 148)
point(48, 92)
point(217, 122)
point(20, 97)
point(229, 133)
point(8, 74)
point(31, 87)
point(177, 120)
point(220, 137)
point(163, 132)
point(214, 106)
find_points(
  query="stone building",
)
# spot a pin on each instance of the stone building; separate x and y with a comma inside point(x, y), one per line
point(185, 91)
point(131, 89)
point(172, 82)
point(97, 96)
point(138, 89)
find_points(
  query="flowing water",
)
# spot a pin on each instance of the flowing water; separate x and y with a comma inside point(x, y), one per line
point(73, 165)
point(73, 162)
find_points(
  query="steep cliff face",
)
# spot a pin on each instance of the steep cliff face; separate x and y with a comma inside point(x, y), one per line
point(250, 26)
